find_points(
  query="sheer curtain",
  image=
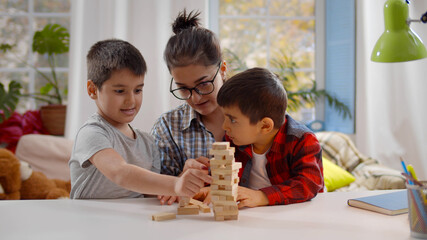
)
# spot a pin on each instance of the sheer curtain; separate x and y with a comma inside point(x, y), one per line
point(147, 25)
point(391, 104)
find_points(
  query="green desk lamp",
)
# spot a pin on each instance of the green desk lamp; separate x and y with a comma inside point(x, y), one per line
point(398, 43)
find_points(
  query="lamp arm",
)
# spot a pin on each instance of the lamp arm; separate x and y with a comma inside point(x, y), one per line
point(422, 19)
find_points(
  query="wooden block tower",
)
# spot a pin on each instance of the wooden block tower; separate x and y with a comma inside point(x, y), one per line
point(224, 172)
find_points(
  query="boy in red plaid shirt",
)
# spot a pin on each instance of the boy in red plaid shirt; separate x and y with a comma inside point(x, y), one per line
point(281, 158)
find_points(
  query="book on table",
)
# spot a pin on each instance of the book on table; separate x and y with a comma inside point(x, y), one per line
point(393, 203)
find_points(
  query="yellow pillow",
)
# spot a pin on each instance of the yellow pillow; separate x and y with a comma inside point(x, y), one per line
point(334, 176)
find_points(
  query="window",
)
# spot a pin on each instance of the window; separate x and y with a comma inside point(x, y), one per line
point(263, 31)
point(259, 32)
point(19, 19)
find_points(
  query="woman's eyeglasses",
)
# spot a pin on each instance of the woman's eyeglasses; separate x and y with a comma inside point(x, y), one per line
point(203, 88)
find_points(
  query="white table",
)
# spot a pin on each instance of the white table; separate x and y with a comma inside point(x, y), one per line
point(325, 217)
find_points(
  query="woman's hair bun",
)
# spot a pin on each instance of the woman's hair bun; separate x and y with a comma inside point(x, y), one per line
point(184, 21)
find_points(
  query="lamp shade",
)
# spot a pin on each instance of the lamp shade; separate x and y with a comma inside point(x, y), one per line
point(398, 43)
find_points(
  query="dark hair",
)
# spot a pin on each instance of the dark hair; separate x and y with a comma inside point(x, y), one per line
point(109, 55)
point(191, 44)
point(258, 93)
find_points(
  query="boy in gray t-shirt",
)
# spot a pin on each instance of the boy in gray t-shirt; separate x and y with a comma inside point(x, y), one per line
point(110, 159)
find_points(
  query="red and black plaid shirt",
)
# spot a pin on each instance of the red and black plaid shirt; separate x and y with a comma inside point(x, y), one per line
point(294, 165)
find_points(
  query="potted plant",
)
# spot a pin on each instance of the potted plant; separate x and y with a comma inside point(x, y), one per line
point(9, 99)
point(51, 41)
point(303, 95)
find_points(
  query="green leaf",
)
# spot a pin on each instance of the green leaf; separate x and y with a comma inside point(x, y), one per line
point(298, 95)
point(9, 100)
point(46, 88)
point(4, 47)
point(53, 39)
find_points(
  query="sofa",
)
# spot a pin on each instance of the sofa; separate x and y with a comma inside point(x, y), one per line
point(368, 173)
point(50, 155)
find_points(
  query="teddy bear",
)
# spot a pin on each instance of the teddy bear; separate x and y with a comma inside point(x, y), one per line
point(19, 181)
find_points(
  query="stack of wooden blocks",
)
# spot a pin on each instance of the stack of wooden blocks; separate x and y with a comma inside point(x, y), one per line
point(224, 172)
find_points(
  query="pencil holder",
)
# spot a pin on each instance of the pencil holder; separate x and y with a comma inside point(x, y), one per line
point(417, 207)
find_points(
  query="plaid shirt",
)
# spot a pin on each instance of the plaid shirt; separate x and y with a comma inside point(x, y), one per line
point(294, 165)
point(180, 135)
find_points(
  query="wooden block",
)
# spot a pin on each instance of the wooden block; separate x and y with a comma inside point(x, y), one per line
point(223, 187)
point(227, 152)
point(184, 201)
point(205, 208)
point(231, 217)
point(220, 145)
point(224, 203)
point(214, 162)
point(225, 182)
point(202, 207)
point(231, 177)
point(218, 198)
point(231, 208)
point(227, 213)
point(219, 218)
point(231, 198)
point(218, 209)
point(163, 216)
point(222, 157)
point(188, 210)
point(234, 166)
point(225, 172)
point(225, 192)
point(225, 208)
point(214, 198)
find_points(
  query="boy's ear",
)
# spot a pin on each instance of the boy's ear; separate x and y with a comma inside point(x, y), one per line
point(267, 125)
point(91, 89)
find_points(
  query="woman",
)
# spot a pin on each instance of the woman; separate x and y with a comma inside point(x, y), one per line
point(186, 133)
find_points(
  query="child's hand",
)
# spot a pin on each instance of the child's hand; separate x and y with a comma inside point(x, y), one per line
point(251, 198)
point(204, 195)
point(201, 163)
point(191, 181)
point(168, 199)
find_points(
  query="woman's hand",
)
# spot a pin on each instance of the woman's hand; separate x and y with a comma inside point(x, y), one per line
point(200, 163)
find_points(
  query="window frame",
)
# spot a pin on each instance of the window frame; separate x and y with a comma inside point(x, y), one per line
point(320, 66)
point(31, 16)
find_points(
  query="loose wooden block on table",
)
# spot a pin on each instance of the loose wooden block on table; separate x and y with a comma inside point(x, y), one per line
point(163, 216)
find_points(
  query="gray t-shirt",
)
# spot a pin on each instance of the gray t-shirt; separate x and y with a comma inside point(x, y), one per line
point(95, 135)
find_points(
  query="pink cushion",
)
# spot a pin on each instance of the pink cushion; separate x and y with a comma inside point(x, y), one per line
point(46, 153)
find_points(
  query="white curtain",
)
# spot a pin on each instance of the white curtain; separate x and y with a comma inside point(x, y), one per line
point(145, 24)
point(391, 104)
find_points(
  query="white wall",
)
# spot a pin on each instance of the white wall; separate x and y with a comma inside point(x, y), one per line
point(391, 97)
